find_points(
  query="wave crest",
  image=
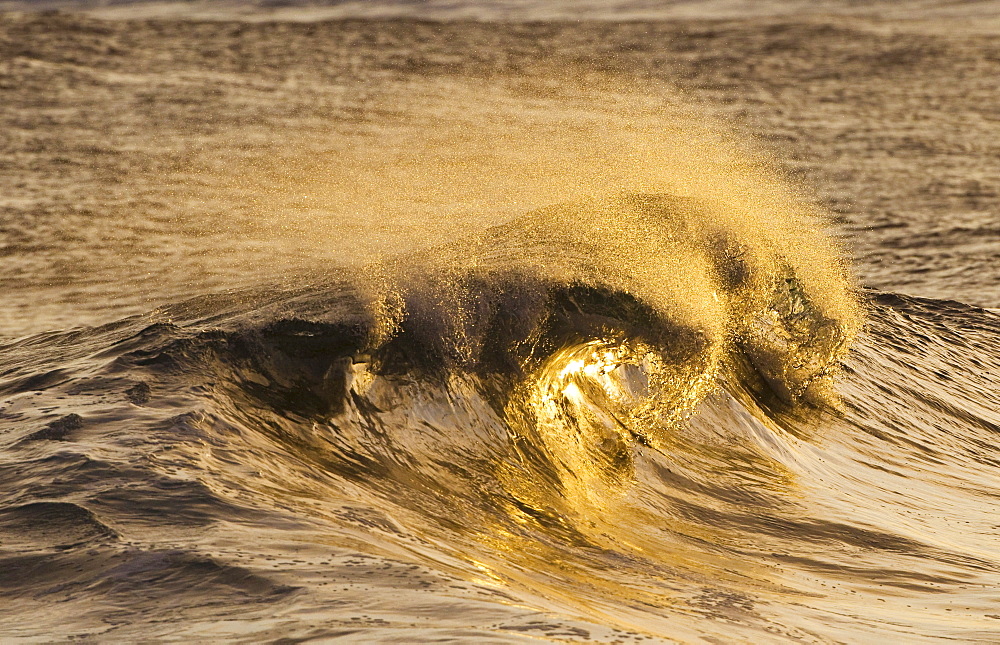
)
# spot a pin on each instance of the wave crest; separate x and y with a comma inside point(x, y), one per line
point(693, 279)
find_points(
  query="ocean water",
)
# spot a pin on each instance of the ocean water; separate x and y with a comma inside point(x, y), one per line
point(357, 332)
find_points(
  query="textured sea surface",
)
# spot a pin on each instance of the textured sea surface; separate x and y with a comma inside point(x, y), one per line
point(396, 330)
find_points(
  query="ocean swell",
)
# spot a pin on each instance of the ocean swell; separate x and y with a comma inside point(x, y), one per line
point(567, 339)
point(617, 412)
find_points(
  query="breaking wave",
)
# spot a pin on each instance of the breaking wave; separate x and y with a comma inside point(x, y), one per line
point(618, 413)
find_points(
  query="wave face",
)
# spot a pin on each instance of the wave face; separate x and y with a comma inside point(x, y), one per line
point(610, 420)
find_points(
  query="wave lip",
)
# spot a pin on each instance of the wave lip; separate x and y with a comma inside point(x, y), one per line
point(699, 280)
